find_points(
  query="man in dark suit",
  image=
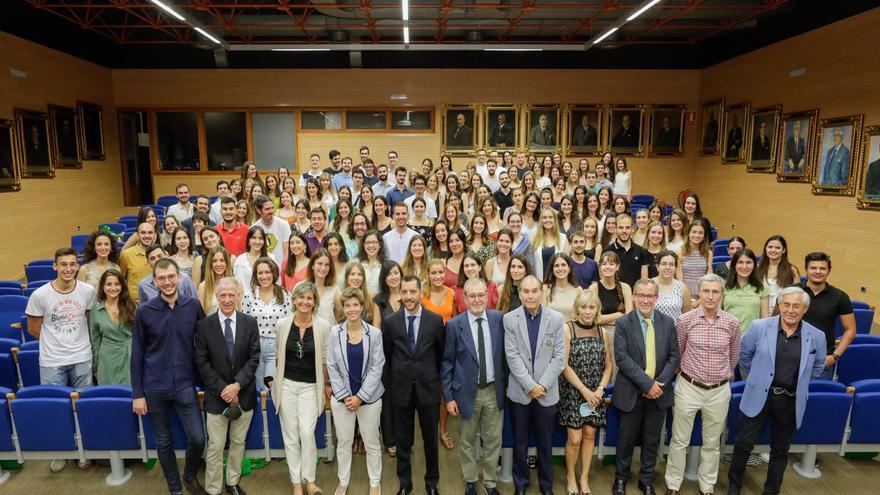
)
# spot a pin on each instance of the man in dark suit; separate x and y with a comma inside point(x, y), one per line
point(627, 136)
point(501, 134)
point(710, 136)
point(534, 341)
point(646, 353)
point(734, 137)
point(795, 150)
point(542, 134)
point(413, 341)
point(227, 352)
point(761, 144)
point(37, 150)
point(872, 180)
point(474, 374)
point(585, 134)
point(462, 135)
point(667, 136)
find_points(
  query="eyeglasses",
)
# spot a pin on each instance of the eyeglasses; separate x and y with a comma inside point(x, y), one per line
point(645, 296)
point(477, 296)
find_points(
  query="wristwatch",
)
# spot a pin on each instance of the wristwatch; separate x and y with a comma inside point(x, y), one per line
point(835, 357)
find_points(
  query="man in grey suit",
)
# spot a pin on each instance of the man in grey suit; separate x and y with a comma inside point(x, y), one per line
point(835, 170)
point(474, 372)
point(795, 150)
point(586, 134)
point(541, 134)
point(646, 353)
point(535, 346)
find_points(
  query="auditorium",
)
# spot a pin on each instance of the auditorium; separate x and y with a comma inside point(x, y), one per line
point(479, 247)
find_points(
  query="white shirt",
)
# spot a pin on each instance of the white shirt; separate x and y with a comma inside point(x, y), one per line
point(267, 315)
point(309, 175)
point(396, 243)
point(371, 273)
point(223, 319)
point(430, 207)
point(181, 212)
point(214, 213)
point(64, 333)
point(493, 182)
point(276, 235)
point(487, 343)
point(242, 270)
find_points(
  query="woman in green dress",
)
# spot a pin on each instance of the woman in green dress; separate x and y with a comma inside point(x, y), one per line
point(110, 328)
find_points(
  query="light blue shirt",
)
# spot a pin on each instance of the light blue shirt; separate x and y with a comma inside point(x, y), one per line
point(382, 188)
point(487, 345)
point(418, 315)
point(148, 290)
point(341, 179)
point(645, 325)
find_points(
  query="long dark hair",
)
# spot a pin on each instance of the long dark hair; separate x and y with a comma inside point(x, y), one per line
point(550, 279)
point(251, 232)
point(435, 243)
point(380, 255)
point(331, 274)
point(508, 288)
point(785, 273)
point(618, 288)
point(277, 290)
point(89, 253)
point(290, 266)
point(343, 254)
point(127, 308)
point(172, 248)
point(733, 278)
point(384, 295)
point(462, 278)
point(537, 213)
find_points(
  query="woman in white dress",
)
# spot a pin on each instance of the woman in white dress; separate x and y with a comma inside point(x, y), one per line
point(255, 247)
point(322, 273)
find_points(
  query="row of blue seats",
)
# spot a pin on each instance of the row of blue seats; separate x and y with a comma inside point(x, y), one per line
point(53, 422)
point(837, 419)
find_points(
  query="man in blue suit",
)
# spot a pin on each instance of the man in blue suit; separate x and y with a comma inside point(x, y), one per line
point(474, 372)
point(835, 170)
point(534, 341)
point(780, 355)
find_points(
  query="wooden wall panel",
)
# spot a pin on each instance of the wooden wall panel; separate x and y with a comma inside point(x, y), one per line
point(841, 79)
point(46, 212)
point(290, 87)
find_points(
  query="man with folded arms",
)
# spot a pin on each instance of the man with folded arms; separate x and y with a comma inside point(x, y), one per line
point(708, 345)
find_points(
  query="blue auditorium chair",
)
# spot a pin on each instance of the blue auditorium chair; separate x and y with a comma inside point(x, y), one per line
point(10, 283)
point(39, 272)
point(762, 444)
point(864, 320)
point(859, 362)
point(41, 262)
point(8, 450)
point(255, 442)
point(29, 367)
point(719, 250)
point(8, 373)
point(43, 419)
point(11, 310)
point(860, 305)
point(159, 210)
point(864, 429)
point(166, 201)
point(6, 345)
point(866, 339)
point(109, 428)
point(823, 426)
point(115, 227)
point(129, 222)
point(10, 291)
point(643, 198)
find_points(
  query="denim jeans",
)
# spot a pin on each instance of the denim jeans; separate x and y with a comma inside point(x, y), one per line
point(267, 362)
point(159, 408)
point(78, 376)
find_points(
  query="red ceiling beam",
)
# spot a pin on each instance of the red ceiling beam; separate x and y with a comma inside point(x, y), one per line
point(610, 6)
point(365, 8)
point(727, 24)
point(445, 7)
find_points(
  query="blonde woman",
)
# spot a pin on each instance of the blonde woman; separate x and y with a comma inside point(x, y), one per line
point(655, 243)
point(696, 259)
point(548, 240)
point(219, 266)
point(299, 393)
point(244, 212)
point(489, 208)
point(322, 273)
point(356, 277)
point(590, 229)
point(287, 210)
point(640, 230)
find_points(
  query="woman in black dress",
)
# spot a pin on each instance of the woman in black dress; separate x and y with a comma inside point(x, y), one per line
point(587, 372)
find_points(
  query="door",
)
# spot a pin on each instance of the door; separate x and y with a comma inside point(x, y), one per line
point(137, 184)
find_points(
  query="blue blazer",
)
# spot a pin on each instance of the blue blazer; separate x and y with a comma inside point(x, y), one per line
point(460, 367)
point(757, 357)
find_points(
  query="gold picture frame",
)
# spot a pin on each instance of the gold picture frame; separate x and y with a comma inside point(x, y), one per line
point(32, 137)
point(580, 140)
point(64, 136)
point(763, 139)
point(10, 164)
point(91, 130)
point(797, 136)
point(459, 140)
point(498, 137)
point(834, 170)
point(868, 196)
point(623, 139)
point(711, 114)
point(544, 128)
point(735, 129)
point(664, 138)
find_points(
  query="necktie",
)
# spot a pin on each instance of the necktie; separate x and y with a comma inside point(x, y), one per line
point(227, 332)
point(650, 350)
point(411, 333)
point(544, 132)
point(481, 352)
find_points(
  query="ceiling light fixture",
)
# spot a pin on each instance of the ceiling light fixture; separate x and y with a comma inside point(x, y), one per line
point(406, 35)
point(168, 9)
point(300, 49)
point(207, 35)
point(642, 10)
point(513, 49)
point(607, 34)
point(405, 8)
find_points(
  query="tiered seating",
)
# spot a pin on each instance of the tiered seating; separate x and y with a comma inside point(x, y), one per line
point(11, 310)
point(863, 434)
point(860, 362)
point(166, 201)
point(824, 425)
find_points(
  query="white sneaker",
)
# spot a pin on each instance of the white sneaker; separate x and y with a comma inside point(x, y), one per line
point(765, 457)
point(57, 465)
point(754, 460)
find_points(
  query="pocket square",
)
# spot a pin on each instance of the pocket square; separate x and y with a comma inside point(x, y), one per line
point(813, 351)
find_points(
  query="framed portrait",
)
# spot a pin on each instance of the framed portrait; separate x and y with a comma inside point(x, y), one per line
point(10, 173)
point(586, 127)
point(710, 135)
point(869, 185)
point(91, 130)
point(501, 131)
point(625, 126)
point(667, 130)
point(459, 129)
point(32, 138)
point(63, 136)
point(798, 136)
point(544, 125)
point(733, 139)
point(763, 140)
point(834, 169)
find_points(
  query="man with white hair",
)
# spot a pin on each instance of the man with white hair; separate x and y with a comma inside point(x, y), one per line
point(780, 355)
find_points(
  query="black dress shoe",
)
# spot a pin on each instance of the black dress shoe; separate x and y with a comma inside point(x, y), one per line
point(432, 491)
point(547, 493)
point(235, 490)
point(519, 491)
point(619, 487)
point(403, 491)
point(492, 491)
point(647, 489)
point(470, 489)
point(194, 487)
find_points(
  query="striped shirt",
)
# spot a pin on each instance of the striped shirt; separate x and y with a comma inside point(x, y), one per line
point(709, 349)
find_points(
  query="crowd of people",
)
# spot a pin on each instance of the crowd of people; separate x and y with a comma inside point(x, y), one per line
point(517, 282)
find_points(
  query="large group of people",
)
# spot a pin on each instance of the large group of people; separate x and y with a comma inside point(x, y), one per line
point(390, 293)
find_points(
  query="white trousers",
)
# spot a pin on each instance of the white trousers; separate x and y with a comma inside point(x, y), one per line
point(217, 427)
point(299, 416)
point(713, 405)
point(367, 416)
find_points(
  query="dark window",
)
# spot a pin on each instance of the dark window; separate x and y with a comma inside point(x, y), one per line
point(318, 120)
point(226, 137)
point(178, 135)
point(366, 120)
point(416, 120)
